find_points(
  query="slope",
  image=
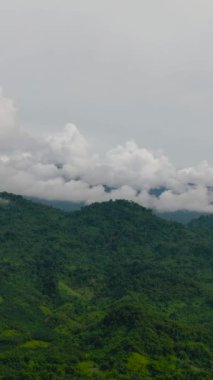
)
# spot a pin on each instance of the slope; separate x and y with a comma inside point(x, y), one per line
point(107, 292)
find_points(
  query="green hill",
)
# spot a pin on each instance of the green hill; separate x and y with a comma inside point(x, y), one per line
point(181, 216)
point(108, 292)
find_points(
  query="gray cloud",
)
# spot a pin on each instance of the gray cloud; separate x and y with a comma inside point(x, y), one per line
point(119, 69)
point(64, 166)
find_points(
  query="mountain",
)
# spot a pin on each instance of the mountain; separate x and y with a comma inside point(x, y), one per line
point(181, 216)
point(61, 205)
point(107, 292)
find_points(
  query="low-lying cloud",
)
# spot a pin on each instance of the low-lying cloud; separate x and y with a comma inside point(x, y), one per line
point(63, 166)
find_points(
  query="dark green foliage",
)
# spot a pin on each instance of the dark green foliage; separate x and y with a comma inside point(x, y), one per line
point(108, 292)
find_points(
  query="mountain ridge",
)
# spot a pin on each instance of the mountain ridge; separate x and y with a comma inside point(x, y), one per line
point(107, 292)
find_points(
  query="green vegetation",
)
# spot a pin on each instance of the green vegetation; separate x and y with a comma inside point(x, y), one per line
point(110, 292)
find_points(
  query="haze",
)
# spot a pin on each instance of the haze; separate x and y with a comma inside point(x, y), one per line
point(117, 69)
point(139, 71)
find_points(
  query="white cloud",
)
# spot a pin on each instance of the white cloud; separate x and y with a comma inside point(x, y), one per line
point(63, 166)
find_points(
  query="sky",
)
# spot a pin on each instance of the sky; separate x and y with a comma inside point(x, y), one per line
point(122, 85)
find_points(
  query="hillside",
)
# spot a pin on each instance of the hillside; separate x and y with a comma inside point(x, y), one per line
point(108, 292)
point(181, 216)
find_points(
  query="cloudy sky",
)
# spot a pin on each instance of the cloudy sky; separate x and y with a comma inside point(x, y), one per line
point(134, 77)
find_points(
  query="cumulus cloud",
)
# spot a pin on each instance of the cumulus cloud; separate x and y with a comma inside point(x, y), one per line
point(63, 166)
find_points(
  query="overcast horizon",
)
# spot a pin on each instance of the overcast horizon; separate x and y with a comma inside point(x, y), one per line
point(132, 82)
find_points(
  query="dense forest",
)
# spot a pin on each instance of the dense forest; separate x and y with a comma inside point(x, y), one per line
point(109, 292)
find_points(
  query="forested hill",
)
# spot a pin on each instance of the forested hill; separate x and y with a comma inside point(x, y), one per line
point(109, 292)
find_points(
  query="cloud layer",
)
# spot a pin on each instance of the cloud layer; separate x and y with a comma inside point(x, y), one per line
point(63, 166)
